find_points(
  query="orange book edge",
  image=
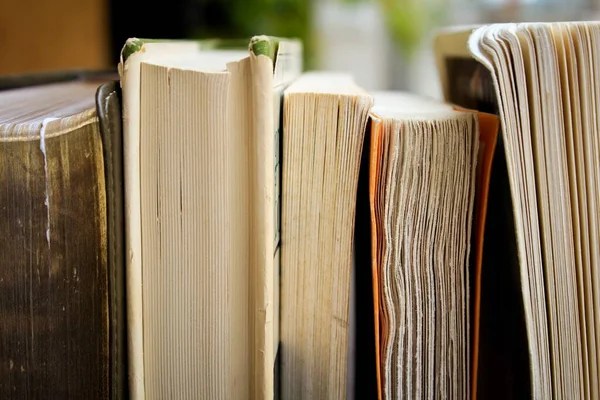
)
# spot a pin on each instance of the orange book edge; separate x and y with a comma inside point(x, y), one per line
point(374, 166)
point(488, 135)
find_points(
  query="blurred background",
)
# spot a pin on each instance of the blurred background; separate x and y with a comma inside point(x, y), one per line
point(385, 44)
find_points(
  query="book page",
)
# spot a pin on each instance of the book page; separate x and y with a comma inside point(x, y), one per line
point(545, 79)
point(488, 135)
point(129, 72)
point(419, 196)
point(325, 119)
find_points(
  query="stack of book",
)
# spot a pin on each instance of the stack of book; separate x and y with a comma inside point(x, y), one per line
point(214, 222)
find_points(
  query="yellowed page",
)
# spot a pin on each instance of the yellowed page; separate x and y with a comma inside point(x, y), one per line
point(129, 71)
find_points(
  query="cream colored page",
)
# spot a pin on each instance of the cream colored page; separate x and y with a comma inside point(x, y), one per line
point(592, 30)
point(571, 105)
point(578, 197)
point(430, 229)
point(561, 223)
point(242, 335)
point(345, 215)
point(412, 246)
point(403, 191)
point(293, 268)
point(564, 152)
point(129, 72)
point(539, 155)
point(426, 230)
point(262, 181)
point(521, 123)
point(322, 141)
point(591, 144)
point(130, 84)
point(195, 235)
point(483, 47)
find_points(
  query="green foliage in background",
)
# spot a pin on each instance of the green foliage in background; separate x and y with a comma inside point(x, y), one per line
point(247, 18)
point(408, 21)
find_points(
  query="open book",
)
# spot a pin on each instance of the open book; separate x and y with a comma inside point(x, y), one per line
point(201, 146)
point(540, 316)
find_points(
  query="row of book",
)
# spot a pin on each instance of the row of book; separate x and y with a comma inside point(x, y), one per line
point(214, 222)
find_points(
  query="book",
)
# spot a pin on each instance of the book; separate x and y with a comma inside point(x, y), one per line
point(539, 321)
point(324, 123)
point(61, 276)
point(428, 181)
point(201, 148)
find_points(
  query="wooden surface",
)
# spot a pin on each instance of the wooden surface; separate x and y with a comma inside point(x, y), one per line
point(47, 35)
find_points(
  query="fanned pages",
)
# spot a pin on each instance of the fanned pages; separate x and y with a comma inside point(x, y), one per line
point(545, 80)
point(422, 189)
point(325, 116)
point(201, 134)
point(556, 213)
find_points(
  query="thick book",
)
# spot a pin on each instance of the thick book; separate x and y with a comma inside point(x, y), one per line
point(539, 306)
point(61, 275)
point(201, 149)
point(324, 123)
point(429, 171)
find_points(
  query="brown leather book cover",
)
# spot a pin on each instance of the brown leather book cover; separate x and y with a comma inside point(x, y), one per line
point(61, 302)
point(108, 108)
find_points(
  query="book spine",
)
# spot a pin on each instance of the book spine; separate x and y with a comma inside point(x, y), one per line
point(263, 222)
point(129, 71)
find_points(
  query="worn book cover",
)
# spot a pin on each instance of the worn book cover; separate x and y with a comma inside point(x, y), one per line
point(60, 247)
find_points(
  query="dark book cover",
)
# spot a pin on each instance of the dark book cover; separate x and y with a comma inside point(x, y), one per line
point(61, 264)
